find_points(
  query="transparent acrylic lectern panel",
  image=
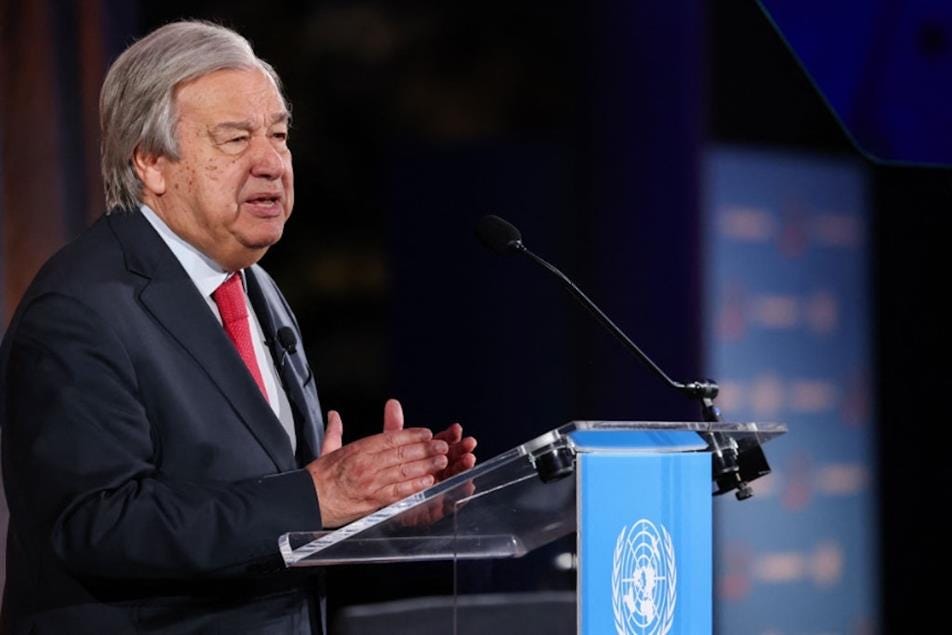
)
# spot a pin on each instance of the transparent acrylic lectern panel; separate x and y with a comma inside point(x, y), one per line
point(507, 506)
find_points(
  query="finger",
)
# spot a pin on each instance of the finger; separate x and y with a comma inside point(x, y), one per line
point(457, 452)
point(409, 453)
point(398, 491)
point(392, 415)
point(464, 446)
point(391, 440)
point(411, 470)
point(461, 464)
point(452, 434)
point(333, 433)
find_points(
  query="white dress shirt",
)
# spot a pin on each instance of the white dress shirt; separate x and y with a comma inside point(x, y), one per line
point(207, 276)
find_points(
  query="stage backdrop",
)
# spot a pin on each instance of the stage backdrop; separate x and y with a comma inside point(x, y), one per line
point(788, 336)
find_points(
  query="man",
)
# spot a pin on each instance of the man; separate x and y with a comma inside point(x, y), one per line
point(160, 422)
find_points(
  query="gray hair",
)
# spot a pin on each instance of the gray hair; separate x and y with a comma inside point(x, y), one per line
point(137, 102)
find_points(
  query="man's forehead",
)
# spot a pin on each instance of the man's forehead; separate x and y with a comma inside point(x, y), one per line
point(232, 95)
point(280, 117)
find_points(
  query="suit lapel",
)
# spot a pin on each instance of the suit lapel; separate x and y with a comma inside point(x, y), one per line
point(172, 299)
point(271, 319)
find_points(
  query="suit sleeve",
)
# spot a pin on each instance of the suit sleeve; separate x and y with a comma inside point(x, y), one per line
point(79, 465)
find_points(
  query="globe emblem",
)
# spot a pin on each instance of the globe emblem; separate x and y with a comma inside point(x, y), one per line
point(644, 580)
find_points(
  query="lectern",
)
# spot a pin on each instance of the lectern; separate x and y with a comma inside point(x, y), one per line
point(638, 494)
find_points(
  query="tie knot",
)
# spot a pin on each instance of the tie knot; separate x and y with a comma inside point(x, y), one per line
point(230, 298)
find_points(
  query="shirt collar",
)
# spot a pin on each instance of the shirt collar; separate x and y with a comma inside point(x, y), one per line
point(206, 274)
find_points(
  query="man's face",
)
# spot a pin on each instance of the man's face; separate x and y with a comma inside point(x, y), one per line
point(232, 188)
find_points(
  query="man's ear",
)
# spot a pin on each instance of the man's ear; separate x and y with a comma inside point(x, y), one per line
point(150, 169)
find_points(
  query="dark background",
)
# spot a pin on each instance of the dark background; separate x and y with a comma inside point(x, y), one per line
point(584, 123)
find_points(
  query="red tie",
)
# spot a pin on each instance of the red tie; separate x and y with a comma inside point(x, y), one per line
point(230, 298)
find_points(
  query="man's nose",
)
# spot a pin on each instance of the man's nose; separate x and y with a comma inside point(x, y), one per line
point(266, 160)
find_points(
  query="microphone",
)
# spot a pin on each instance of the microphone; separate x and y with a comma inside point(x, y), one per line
point(287, 340)
point(501, 237)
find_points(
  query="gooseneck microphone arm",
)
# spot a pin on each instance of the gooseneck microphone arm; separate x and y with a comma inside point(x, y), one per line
point(696, 389)
point(501, 237)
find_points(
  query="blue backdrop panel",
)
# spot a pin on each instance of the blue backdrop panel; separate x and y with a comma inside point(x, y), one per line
point(644, 544)
point(882, 65)
point(788, 336)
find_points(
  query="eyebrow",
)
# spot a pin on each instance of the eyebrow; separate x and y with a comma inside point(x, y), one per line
point(247, 124)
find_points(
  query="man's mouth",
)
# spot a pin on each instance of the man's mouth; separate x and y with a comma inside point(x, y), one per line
point(265, 204)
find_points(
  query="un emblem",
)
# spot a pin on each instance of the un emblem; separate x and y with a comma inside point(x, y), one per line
point(644, 580)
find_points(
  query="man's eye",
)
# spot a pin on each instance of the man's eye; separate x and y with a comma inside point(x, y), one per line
point(235, 140)
point(280, 136)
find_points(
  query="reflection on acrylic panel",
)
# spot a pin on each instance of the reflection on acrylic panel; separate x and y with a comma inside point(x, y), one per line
point(788, 335)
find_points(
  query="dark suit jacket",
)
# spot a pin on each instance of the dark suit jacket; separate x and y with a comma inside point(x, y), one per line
point(147, 478)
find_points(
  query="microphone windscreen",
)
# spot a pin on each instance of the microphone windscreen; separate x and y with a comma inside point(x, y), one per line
point(496, 234)
point(287, 339)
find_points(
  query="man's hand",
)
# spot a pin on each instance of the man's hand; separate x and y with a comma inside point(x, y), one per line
point(460, 456)
point(356, 479)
